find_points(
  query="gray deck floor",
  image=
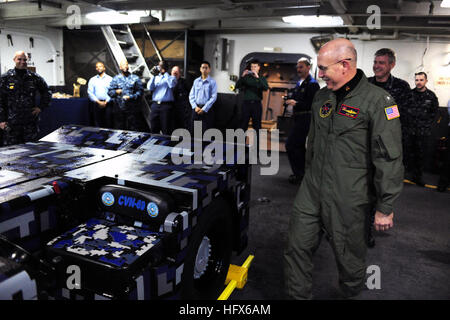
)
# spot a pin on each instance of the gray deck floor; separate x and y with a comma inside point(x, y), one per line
point(413, 257)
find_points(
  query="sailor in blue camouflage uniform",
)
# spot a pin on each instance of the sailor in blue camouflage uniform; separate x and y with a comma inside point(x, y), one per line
point(19, 113)
point(419, 117)
point(399, 89)
point(301, 100)
point(444, 177)
point(126, 90)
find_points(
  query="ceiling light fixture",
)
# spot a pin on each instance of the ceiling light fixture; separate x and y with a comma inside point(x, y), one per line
point(104, 16)
point(445, 4)
point(314, 21)
point(304, 6)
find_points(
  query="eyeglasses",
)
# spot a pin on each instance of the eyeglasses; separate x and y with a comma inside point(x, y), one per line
point(325, 68)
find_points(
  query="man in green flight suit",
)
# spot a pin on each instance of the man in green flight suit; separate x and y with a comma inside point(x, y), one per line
point(353, 165)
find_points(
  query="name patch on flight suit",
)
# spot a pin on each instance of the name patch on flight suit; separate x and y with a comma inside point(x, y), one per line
point(392, 112)
point(326, 109)
point(348, 111)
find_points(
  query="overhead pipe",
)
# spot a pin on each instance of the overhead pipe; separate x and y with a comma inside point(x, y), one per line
point(418, 35)
point(395, 36)
point(365, 36)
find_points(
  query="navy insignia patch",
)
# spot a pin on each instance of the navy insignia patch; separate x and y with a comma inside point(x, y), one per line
point(107, 199)
point(326, 109)
point(348, 111)
point(152, 209)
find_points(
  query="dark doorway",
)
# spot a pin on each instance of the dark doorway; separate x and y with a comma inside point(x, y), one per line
point(280, 72)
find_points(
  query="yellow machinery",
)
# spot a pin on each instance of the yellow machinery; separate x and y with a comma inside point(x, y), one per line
point(236, 278)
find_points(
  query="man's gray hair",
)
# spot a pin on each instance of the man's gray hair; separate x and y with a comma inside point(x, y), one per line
point(386, 52)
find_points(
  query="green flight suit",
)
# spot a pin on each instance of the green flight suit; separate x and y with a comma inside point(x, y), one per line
point(353, 165)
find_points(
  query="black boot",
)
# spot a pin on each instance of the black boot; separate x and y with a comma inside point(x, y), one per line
point(419, 181)
point(294, 179)
point(442, 185)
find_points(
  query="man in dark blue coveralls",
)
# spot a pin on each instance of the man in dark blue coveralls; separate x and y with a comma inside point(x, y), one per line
point(301, 100)
point(19, 113)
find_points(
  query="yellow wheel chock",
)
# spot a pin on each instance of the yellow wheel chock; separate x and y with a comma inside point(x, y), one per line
point(426, 185)
point(236, 278)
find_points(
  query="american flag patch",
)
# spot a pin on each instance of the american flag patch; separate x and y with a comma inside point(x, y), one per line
point(392, 112)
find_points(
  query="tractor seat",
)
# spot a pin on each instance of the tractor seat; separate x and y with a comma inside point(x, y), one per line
point(108, 254)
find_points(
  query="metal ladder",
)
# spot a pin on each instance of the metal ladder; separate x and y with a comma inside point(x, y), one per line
point(122, 45)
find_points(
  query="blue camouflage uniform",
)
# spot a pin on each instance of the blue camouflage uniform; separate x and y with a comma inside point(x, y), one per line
point(444, 177)
point(401, 92)
point(18, 90)
point(127, 113)
point(420, 116)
